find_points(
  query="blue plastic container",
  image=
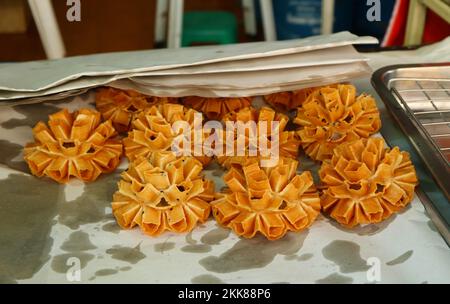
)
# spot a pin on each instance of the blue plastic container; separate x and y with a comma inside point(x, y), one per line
point(302, 18)
point(297, 18)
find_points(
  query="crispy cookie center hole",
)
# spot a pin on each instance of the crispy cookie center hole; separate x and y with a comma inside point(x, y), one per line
point(283, 206)
point(162, 203)
point(380, 188)
point(355, 186)
point(68, 144)
point(181, 188)
point(91, 150)
point(348, 119)
point(132, 108)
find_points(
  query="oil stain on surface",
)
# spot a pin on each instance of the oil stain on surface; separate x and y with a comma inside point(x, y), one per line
point(33, 114)
point(218, 173)
point(78, 241)
point(254, 253)
point(108, 271)
point(215, 236)
point(346, 255)
point(206, 279)
point(193, 246)
point(105, 272)
point(5, 279)
point(59, 262)
point(26, 219)
point(215, 172)
point(76, 245)
point(111, 227)
point(365, 230)
point(401, 259)
point(335, 278)
point(189, 239)
point(163, 247)
point(10, 151)
point(126, 254)
point(90, 207)
point(214, 169)
point(201, 248)
point(300, 258)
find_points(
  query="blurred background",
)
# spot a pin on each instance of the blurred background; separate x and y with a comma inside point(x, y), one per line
point(40, 29)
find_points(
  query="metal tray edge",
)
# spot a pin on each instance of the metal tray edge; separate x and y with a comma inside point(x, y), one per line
point(434, 209)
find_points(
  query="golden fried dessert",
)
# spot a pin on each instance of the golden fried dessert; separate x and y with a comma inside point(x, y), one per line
point(332, 116)
point(73, 145)
point(216, 108)
point(153, 130)
point(365, 182)
point(163, 193)
point(121, 106)
point(287, 141)
point(269, 201)
point(290, 100)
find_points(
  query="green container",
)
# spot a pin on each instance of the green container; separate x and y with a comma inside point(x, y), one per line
point(209, 27)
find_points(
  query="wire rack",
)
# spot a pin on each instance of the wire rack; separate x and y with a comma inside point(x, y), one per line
point(418, 97)
point(428, 103)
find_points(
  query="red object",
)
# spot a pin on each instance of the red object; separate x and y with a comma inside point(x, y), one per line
point(436, 28)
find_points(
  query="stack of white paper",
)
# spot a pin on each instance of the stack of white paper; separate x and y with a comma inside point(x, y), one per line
point(247, 69)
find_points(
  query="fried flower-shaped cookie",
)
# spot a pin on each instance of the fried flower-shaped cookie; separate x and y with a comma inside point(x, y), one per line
point(216, 108)
point(271, 200)
point(153, 131)
point(364, 182)
point(163, 193)
point(290, 100)
point(331, 116)
point(255, 141)
point(121, 106)
point(73, 144)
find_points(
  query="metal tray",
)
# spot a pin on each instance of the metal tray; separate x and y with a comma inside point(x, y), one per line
point(418, 97)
